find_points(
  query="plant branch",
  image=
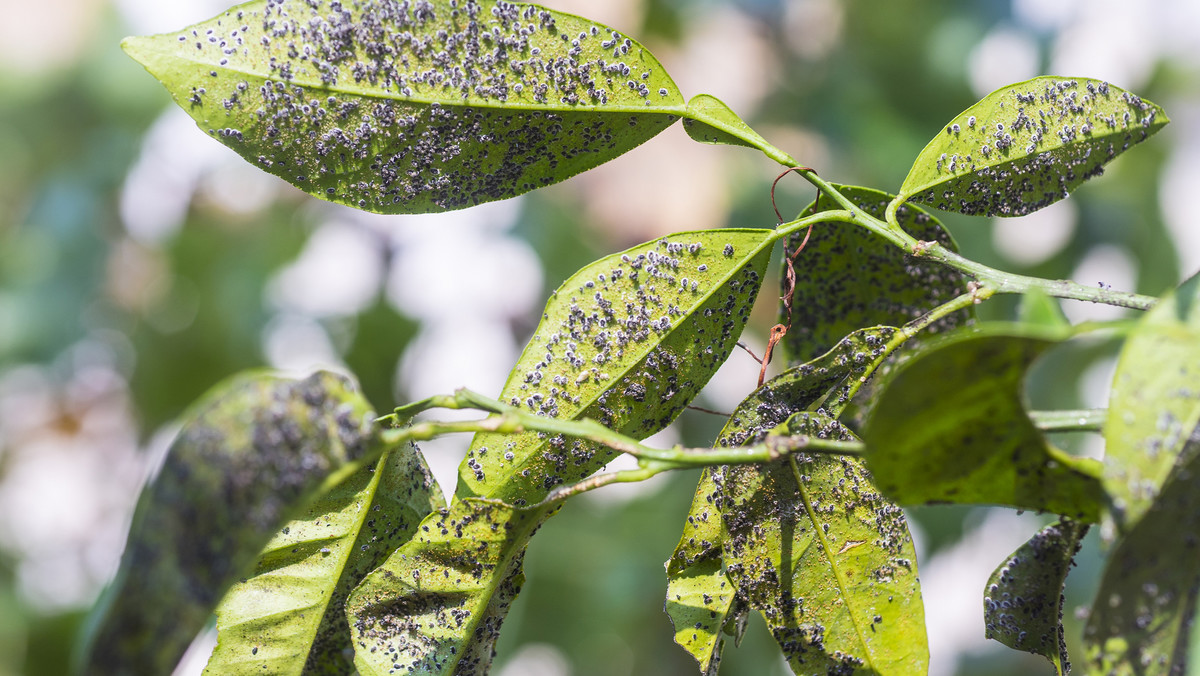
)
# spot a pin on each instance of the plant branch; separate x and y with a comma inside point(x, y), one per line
point(509, 419)
point(1007, 282)
point(891, 232)
point(1084, 420)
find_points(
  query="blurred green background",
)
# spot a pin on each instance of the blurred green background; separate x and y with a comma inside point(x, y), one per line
point(141, 262)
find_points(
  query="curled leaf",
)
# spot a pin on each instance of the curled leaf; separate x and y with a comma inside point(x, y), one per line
point(942, 432)
point(414, 107)
point(289, 618)
point(254, 452)
point(1028, 145)
point(700, 603)
point(1023, 600)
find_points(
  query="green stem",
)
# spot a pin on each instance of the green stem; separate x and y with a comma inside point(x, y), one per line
point(508, 419)
point(911, 329)
point(1007, 282)
point(853, 213)
point(1000, 281)
point(1085, 420)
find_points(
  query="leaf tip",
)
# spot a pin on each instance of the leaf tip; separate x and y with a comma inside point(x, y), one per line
point(138, 47)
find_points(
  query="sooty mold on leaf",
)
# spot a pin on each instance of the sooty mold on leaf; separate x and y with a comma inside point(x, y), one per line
point(405, 107)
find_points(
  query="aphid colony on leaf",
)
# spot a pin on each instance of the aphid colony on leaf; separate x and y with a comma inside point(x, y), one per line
point(380, 142)
point(608, 349)
point(1042, 124)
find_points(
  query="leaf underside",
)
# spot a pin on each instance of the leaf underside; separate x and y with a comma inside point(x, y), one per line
point(290, 617)
point(848, 278)
point(255, 450)
point(1028, 145)
point(737, 520)
point(437, 604)
point(827, 560)
point(1156, 391)
point(1023, 601)
point(413, 107)
point(940, 433)
point(628, 341)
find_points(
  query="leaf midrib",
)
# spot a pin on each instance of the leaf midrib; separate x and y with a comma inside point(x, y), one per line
point(843, 588)
point(677, 110)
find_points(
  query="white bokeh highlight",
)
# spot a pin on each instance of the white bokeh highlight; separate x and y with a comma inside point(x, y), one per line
point(1033, 239)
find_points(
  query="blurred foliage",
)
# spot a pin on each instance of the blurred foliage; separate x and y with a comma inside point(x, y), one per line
point(68, 139)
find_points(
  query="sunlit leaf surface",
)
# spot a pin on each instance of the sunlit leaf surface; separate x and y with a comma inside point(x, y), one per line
point(1023, 600)
point(436, 605)
point(406, 107)
point(1156, 403)
point(289, 618)
point(848, 278)
point(627, 341)
point(951, 427)
point(699, 601)
point(1028, 145)
point(253, 453)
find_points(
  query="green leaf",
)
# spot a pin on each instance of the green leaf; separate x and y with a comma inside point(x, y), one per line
point(1028, 145)
point(827, 560)
point(1140, 622)
point(436, 605)
point(1155, 402)
point(700, 601)
point(708, 120)
point(1022, 607)
point(848, 278)
point(254, 452)
point(414, 107)
point(628, 341)
point(950, 426)
point(1038, 309)
point(290, 617)
point(696, 565)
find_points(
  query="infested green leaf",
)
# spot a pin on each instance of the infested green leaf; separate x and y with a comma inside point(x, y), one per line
point(700, 601)
point(1028, 145)
point(414, 107)
point(698, 560)
point(436, 605)
point(848, 278)
point(1156, 403)
point(1145, 608)
point(1023, 600)
point(628, 341)
point(951, 426)
point(254, 452)
point(289, 618)
point(827, 560)
point(709, 120)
